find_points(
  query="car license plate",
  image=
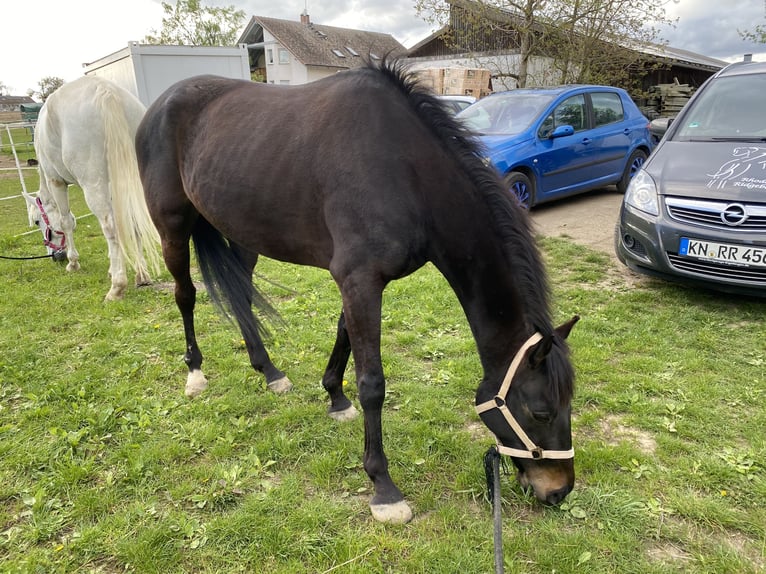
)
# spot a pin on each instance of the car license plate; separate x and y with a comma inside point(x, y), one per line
point(742, 255)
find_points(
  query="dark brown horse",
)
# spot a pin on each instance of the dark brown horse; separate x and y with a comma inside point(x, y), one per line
point(366, 175)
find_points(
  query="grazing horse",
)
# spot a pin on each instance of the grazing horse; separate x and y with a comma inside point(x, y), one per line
point(364, 174)
point(85, 135)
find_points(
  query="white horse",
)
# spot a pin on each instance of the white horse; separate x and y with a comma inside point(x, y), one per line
point(85, 135)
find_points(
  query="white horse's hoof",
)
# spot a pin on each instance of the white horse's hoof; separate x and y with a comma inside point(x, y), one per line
point(280, 385)
point(348, 414)
point(195, 383)
point(73, 266)
point(114, 295)
point(397, 513)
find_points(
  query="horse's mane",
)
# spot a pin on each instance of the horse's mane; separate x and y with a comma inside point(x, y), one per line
point(511, 221)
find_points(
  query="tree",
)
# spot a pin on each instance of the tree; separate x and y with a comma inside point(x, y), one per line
point(757, 35)
point(4, 90)
point(48, 85)
point(588, 41)
point(190, 23)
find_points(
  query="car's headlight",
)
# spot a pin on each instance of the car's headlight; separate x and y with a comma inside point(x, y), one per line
point(642, 193)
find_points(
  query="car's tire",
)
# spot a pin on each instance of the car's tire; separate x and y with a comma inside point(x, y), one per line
point(521, 187)
point(635, 161)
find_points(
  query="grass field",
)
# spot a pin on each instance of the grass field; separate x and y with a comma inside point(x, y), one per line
point(105, 466)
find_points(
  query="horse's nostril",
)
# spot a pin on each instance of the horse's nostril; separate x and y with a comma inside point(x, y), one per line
point(554, 498)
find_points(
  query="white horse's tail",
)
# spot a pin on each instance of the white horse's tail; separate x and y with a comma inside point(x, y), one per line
point(135, 231)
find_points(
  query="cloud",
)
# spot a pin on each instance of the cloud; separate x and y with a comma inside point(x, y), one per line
point(55, 37)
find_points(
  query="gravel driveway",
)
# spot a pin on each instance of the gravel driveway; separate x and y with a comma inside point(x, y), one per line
point(586, 219)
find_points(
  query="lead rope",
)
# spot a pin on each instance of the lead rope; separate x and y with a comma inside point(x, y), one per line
point(492, 469)
point(492, 456)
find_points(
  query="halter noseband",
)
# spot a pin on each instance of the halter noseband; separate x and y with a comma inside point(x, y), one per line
point(49, 231)
point(533, 451)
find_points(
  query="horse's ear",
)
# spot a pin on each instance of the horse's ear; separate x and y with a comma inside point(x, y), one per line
point(539, 351)
point(563, 330)
point(31, 199)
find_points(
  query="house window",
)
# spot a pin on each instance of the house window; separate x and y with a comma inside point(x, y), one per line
point(338, 53)
point(352, 51)
point(270, 56)
point(284, 56)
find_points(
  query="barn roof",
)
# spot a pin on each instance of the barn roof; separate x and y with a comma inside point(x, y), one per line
point(15, 100)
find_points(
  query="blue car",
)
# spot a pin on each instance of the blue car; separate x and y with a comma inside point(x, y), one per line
point(550, 143)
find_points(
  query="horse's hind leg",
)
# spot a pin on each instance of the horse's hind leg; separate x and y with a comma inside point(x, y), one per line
point(177, 257)
point(276, 380)
point(340, 408)
point(98, 198)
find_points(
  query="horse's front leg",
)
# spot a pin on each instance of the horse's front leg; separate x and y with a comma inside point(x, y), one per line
point(59, 190)
point(362, 301)
point(67, 225)
point(340, 408)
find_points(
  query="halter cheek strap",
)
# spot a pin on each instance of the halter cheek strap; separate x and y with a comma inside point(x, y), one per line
point(49, 231)
point(498, 402)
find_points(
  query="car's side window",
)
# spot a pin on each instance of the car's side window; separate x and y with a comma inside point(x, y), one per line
point(607, 108)
point(570, 112)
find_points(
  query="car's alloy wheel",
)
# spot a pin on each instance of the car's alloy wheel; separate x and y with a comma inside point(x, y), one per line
point(636, 160)
point(521, 187)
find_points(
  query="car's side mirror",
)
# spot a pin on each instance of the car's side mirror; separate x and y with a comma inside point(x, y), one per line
point(659, 126)
point(561, 132)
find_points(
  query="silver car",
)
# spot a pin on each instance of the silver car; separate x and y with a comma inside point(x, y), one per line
point(696, 211)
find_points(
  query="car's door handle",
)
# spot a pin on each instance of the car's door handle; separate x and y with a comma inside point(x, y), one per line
point(586, 141)
point(626, 131)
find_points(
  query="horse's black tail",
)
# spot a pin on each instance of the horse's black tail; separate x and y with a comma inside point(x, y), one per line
point(229, 282)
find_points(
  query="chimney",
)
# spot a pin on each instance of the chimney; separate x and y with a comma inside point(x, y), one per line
point(748, 58)
point(305, 18)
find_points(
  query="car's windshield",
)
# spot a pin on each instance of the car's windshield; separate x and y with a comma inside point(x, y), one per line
point(730, 107)
point(505, 114)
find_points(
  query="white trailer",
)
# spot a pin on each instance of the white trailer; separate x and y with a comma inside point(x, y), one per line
point(147, 70)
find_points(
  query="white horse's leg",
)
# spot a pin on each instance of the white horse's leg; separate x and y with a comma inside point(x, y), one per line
point(59, 190)
point(99, 201)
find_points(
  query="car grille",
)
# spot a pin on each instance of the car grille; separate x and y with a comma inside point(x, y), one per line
point(712, 214)
point(753, 275)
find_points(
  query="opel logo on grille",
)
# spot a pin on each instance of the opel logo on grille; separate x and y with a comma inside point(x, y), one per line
point(734, 214)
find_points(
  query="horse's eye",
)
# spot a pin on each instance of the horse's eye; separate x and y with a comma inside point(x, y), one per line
point(543, 417)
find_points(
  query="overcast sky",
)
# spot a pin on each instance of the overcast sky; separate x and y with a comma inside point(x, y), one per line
point(55, 37)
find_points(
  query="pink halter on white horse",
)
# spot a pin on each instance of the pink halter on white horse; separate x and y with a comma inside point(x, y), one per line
point(85, 135)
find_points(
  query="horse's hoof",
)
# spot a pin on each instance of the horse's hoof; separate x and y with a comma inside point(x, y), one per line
point(396, 513)
point(195, 383)
point(348, 414)
point(114, 296)
point(280, 385)
point(73, 266)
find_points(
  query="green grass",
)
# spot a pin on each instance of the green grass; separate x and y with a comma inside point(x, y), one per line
point(106, 467)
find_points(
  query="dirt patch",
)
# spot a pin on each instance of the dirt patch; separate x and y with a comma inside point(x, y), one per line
point(589, 220)
point(615, 432)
